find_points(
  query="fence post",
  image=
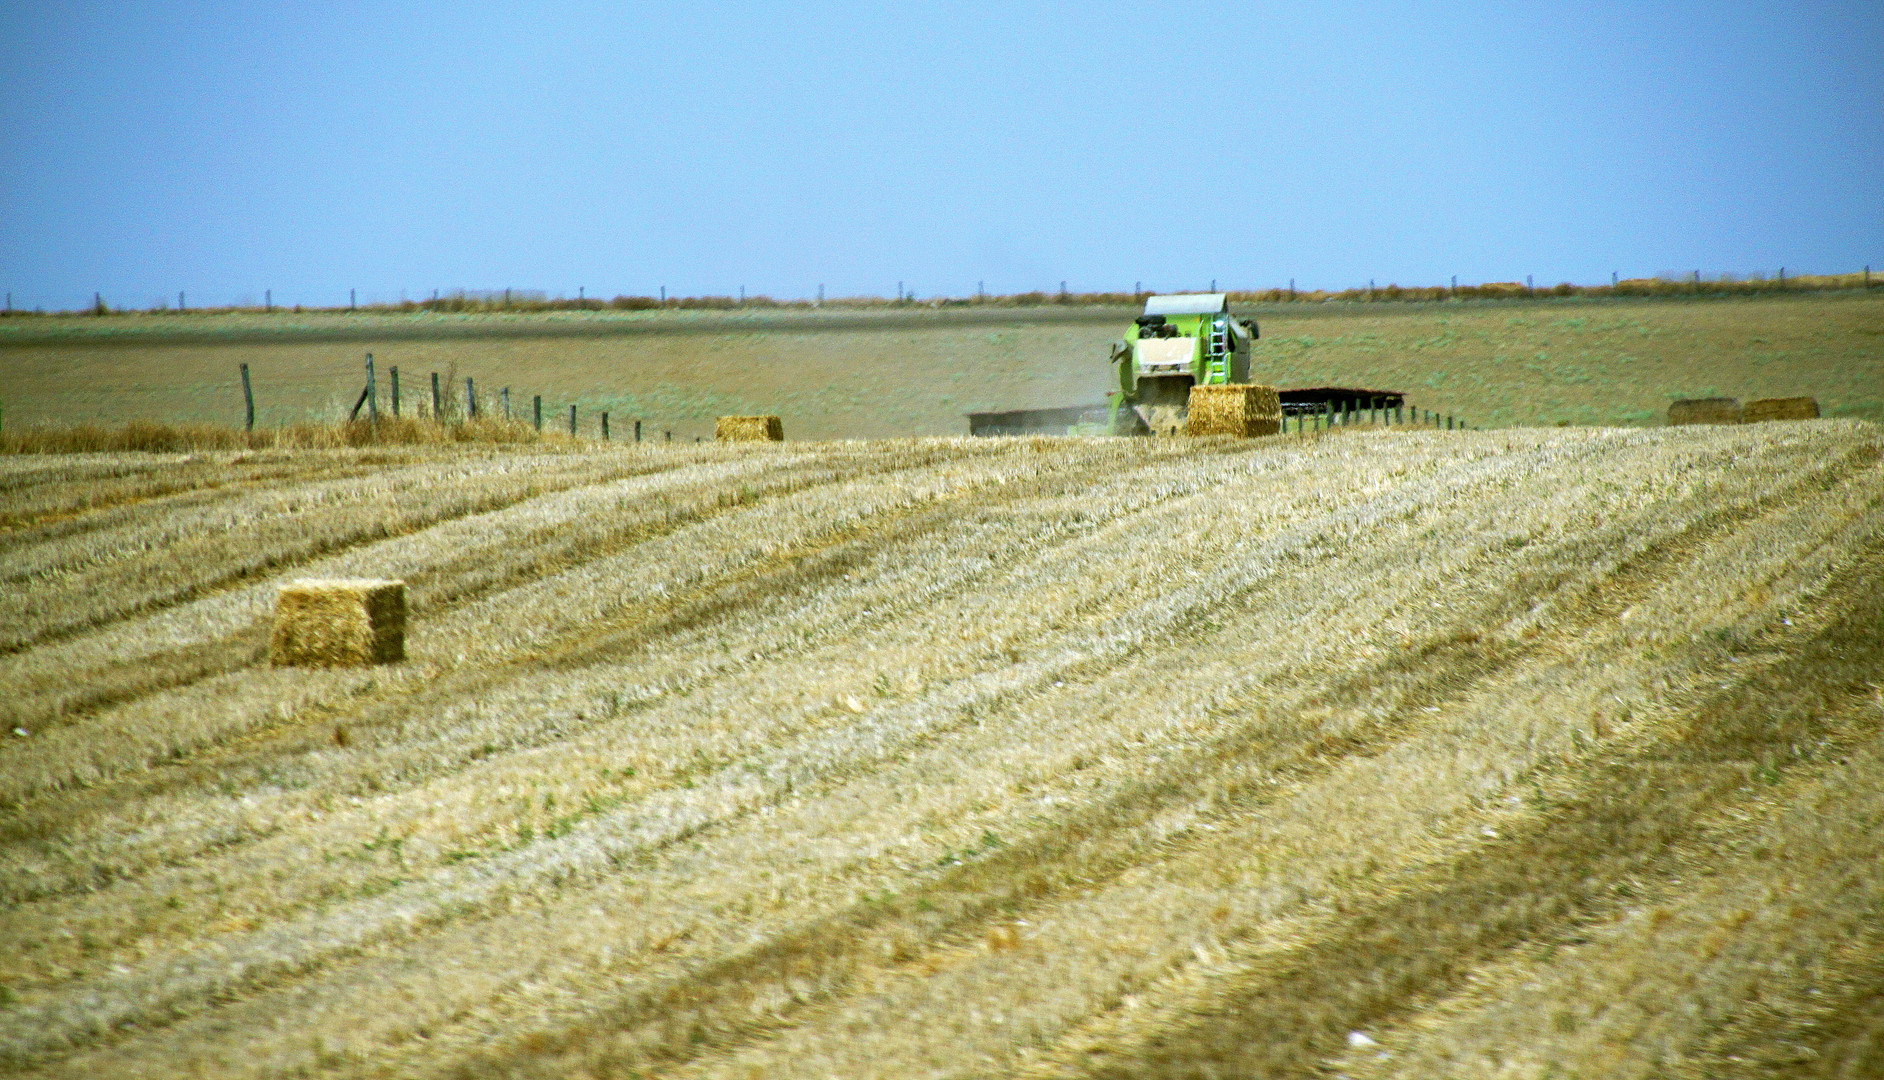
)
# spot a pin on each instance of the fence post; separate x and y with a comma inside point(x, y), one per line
point(268, 299)
point(470, 400)
point(394, 372)
point(372, 392)
point(248, 402)
point(1448, 421)
point(669, 434)
point(637, 431)
point(604, 427)
point(539, 412)
point(435, 400)
point(572, 419)
point(506, 396)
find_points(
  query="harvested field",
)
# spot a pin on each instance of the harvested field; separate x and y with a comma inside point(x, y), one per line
point(1383, 752)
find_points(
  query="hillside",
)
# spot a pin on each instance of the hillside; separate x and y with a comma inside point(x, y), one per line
point(1388, 753)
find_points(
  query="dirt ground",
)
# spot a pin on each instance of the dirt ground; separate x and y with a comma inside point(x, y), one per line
point(879, 375)
point(1380, 753)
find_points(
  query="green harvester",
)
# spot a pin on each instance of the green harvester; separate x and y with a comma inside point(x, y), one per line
point(1181, 341)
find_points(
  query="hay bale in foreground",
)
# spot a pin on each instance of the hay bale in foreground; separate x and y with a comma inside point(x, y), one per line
point(344, 622)
point(1709, 410)
point(1780, 408)
point(1245, 409)
point(748, 429)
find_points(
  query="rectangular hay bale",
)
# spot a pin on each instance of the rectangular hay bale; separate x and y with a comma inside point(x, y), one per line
point(748, 429)
point(1246, 409)
point(1712, 410)
point(1780, 408)
point(341, 622)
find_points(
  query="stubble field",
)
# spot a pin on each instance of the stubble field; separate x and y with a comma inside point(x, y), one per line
point(1386, 752)
point(916, 372)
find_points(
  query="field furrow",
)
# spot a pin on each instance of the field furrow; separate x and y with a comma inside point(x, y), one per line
point(1049, 757)
point(176, 551)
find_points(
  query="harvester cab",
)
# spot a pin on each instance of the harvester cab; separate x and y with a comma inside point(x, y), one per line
point(1181, 341)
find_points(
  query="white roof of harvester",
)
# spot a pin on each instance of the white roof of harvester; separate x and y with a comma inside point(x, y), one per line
point(1203, 303)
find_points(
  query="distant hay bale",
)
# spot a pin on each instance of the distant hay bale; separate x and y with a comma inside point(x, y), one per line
point(1246, 409)
point(345, 622)
point(1781, 408)
point(748, 429)
point(1711, 410)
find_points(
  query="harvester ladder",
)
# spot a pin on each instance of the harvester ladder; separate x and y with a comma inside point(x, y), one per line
point(1217, 359)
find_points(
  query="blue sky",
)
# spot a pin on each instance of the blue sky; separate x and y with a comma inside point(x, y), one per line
point(224, 149)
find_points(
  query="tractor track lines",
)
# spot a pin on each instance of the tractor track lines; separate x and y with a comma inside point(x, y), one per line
point(1023, 847)
point(439, 588)
point(617, 637)
point(629, 631)
point(1620, 828)
point(1027, 876)
point(1025, 867)
point(283, 543)
point(1024, 489)
point(72, 509)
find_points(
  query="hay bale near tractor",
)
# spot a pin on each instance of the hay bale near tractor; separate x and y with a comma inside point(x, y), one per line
point(748, 429)
point(1780, 408)
point(341, 622)
point(1244, 409)
point(1713, 410)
